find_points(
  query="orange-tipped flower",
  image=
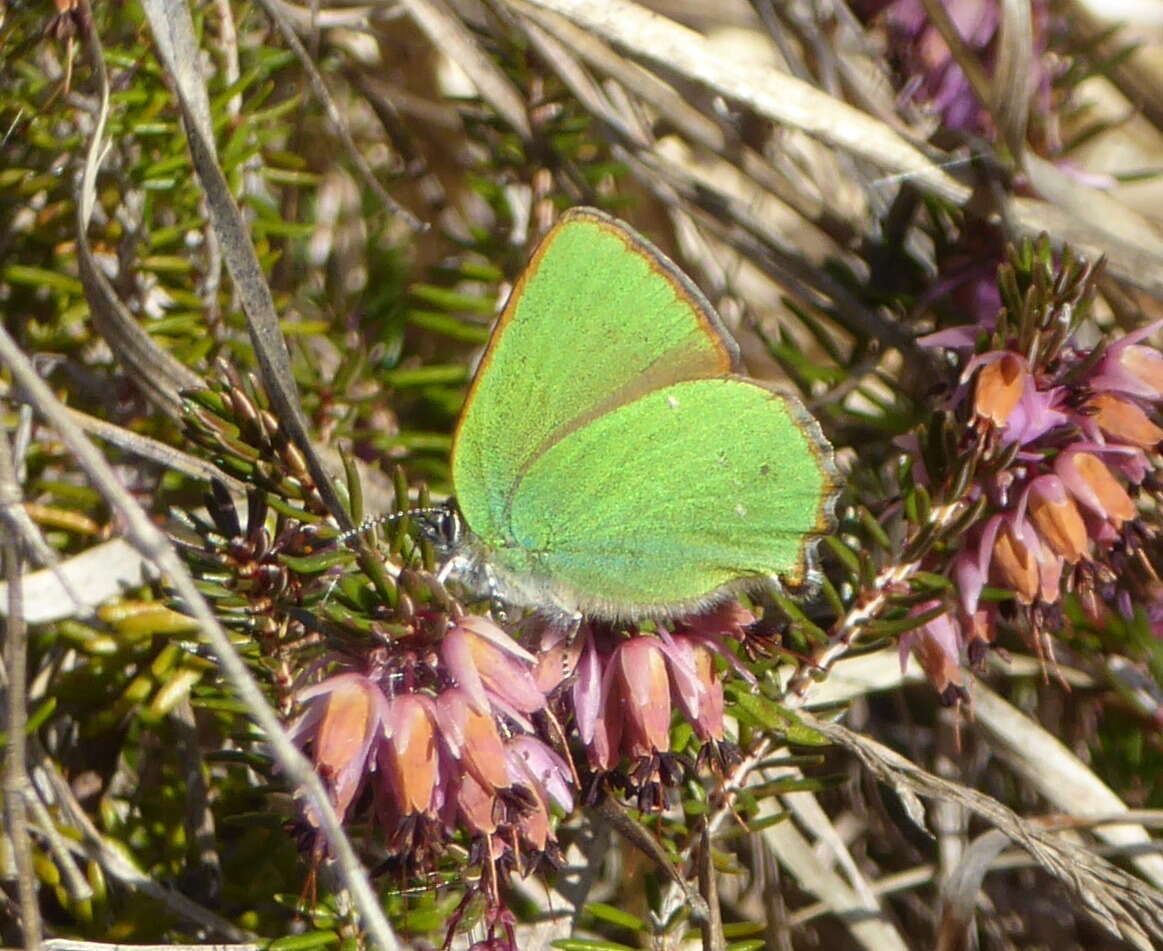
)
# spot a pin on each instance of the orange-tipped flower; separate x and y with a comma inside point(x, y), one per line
point(492, 668)
point(1057, 519)
point(1000, 384)
point(1122, 420)
point(937, 647)
point(410, 758)
point(1014, 564)
point(472, 738)
point(1091, 481)
point(641, 696)
point(342, 723)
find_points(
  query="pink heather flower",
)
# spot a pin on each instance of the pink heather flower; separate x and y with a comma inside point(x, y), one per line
point(971, 566)
point(937, 646)
point(533, 764)
point(1002, 379)
point(1084, 433)
point(728, 619)
point(492, 668)
point(1015, 562)
point(410, 757)
point(725, 619)
point(696, 686)
point(929, 73)
point(1037, 412)
point(342, 722)
point(587, 690)
point(1129, 367)
point(1006, 393)
point(623, 699)
point(471, 737)
point(476, 805)
point(1094, 486)
point(639, 696)
point(1057, 518)
point(1122, 420)
point(558, 657)
point(938, 80)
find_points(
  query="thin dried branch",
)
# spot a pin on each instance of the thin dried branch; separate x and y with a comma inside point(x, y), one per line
point(449, 34)
point(789, 101)
point(17, 787)
point(158, 374)
point(94, 576)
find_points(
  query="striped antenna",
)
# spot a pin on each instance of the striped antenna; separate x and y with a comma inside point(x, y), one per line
point(441, 523)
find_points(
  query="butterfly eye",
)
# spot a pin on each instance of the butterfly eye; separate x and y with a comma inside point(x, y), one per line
point(443, 526)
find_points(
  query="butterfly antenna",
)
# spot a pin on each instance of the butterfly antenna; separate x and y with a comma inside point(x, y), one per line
point(390, 517)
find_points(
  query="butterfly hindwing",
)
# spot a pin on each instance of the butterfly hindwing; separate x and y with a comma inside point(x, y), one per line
point(661, 502)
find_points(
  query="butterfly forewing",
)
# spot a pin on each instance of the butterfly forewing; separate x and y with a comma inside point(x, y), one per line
point(598, 318)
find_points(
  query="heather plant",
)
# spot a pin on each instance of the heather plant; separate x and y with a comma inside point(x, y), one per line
point(249, 255)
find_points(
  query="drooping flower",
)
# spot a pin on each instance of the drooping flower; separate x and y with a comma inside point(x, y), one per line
point(639, 696)
point(1122, 420)
point(472, 737)
point(493, 669)
point(1094, 486)
point(1056, 517)
point(410, 757)
point(1015, 562)
point(1129, 367)
point(937, 646)
point(342, 724)
point(999, 385)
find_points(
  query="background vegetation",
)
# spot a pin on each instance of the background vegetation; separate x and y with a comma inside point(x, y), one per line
point(948, 246)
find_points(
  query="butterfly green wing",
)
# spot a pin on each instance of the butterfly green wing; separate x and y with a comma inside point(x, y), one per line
point(598, 318)
point(657, 505)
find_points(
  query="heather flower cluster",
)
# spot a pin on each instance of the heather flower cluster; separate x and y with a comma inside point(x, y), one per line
point(934, 79)
point(477, 735)
point(1077, 434)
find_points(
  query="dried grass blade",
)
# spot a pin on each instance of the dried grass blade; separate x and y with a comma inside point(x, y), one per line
point(451, 37)
point(173, 29)
point(155, 372)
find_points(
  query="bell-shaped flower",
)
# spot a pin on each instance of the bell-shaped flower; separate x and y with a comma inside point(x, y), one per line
point(1037, 412)
point(342, 724)
point(491, 667)
point(476, 805)
point(1001, 381)
point(1014, 564)
point(1092, 483)
point(937, 646)
point(640, 696)
point(697, 686)
point(1130, 367)
point(1056, 517)
point(971, 566)
point(541, 769)
point(410, 755)
point(558, 657)
point(726, 619)
point(587, 690)
point(534, 766)
point(1124, 421)
point(472, 738)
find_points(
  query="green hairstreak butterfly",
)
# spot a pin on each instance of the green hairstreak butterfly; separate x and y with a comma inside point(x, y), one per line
point(610, 460)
